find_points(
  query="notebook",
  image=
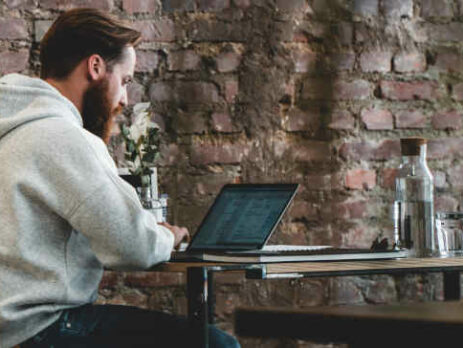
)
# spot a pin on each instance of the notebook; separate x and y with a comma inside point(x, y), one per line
point(242, 219)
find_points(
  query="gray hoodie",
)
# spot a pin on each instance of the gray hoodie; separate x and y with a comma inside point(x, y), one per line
point(64, 212)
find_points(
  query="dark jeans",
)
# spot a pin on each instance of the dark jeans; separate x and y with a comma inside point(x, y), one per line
point(111, 326)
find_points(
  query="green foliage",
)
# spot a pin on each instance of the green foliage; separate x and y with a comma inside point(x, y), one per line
point(143, 152)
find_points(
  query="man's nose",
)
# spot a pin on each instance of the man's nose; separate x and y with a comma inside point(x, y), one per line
point(124, 100)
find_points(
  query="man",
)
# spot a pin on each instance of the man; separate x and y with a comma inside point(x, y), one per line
point(65, 214)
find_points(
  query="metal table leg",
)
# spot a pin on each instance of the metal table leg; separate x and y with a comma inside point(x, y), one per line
point(452, 287)
point(197, 289)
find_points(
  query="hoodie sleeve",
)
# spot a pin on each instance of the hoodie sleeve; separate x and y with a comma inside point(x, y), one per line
point(78, 179)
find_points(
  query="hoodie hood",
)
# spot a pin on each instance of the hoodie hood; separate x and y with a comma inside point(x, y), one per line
point(25, 99)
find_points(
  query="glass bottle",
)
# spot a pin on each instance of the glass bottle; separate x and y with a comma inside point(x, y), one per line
point(413, 205)
point(151, 204)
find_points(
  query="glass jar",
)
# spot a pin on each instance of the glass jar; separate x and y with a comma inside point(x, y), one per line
point(449, 233)
point(413, 205)
point(154, 206)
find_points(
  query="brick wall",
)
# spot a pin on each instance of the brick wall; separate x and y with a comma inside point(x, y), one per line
point(310, 91)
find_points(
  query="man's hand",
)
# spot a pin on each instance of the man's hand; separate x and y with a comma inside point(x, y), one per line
point(180, 233)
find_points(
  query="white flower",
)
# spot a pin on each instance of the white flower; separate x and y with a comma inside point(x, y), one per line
point(142, 120)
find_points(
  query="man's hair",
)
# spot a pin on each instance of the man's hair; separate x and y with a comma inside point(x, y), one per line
point(79, 33)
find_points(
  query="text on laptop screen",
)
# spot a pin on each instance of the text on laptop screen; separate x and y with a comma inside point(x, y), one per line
point(242, 217)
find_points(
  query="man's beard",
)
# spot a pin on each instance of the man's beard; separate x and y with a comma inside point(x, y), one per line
point(97, 113)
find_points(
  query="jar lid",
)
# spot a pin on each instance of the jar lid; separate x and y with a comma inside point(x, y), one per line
point(411, 146)
point(449, 215)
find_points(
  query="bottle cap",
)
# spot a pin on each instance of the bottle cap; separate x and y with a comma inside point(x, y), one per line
point(411, 146)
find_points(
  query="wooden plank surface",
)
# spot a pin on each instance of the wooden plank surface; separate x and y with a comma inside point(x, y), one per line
point(329, 267)
point(344, 266)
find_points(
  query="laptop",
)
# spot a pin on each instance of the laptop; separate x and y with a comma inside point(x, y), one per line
point(241, 221)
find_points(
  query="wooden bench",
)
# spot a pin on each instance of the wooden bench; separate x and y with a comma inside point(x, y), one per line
point(434, 324)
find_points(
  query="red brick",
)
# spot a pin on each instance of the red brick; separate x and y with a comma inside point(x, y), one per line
point(225, 154)
point(184, 91)
point(387, 179)
point(410, 119)
point(311, 150)
point(433, 8)
point(110, 279)
point(13, 29)
point(135, 92)
point(147, 61)
point(170, 155)
point(213, 5)
point(457, 92)
point(189, 123)
point(375, 61)
point(356, 89)
point(242, 3)
point(423, 90)
point(449, 61)
point(317, 88)
point(445, 203)
point(304, 60)
point(229, 277)
point(178, 5)
point(132, 297)
point(153, 279)
point(299, 120)
point(221, 122)
point(208, 30)
point(11, 61)
point(105, 5)
point(397, 8)
point(342, 119)
point(183, 60)
point(386, 150)
point(357, 151)
point(456, 176)
point(228, 61)
point(445, 147)
point(405, 62)
point(160, 30)
point(291, 5)
point(333, 211)
point(377, 119)
point(231, 90)
point(342, 61)
point(139, 6)
point(319, 182)
point(447, 120)
point(209, 184)
point(451, 32)
point(360, 179)
point(303, 210)
point(344, 290)
point(358, 237)
point(353, 209)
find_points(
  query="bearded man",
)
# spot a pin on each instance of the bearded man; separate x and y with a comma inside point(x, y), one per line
point(65, 214)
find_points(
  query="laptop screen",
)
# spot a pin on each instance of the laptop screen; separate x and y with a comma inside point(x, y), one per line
point(243, 217)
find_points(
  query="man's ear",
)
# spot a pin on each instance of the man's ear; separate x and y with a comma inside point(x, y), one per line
point(96, 67)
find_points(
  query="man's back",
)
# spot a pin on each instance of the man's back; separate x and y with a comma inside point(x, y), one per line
point(56, 178)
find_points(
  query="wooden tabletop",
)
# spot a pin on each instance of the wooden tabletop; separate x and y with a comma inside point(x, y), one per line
point(333, 267)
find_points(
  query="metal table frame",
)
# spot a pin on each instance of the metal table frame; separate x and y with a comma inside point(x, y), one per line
point(200, 279)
